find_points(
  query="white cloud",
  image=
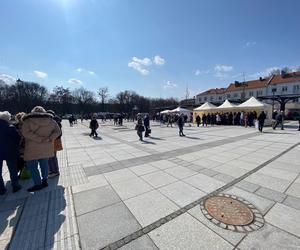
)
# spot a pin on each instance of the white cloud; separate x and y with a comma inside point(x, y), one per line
point(201, 72)
point(7, 79)
point(250, 44)
point(170, 85)
point(91, 72)
point(74, 81)
point(159, 60)
point(40, 74)
point(222, 70)
point(79, 70)
point(138, 67)
point(146, 61)
point(141, 64)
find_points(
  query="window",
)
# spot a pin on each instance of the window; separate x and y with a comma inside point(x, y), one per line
point(235, 95)
point(211, 98)
point(296, 88)
point(259, 92)
point(199, 99)
point(250, 93)
point(284, 88)
point(205, 99)
point(228, 95)
point(220, 97)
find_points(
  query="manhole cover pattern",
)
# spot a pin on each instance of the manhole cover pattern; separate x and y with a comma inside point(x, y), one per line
point(232, 213)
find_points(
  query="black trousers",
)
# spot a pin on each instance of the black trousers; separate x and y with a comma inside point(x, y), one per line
point(260, 126)
point(93, 132)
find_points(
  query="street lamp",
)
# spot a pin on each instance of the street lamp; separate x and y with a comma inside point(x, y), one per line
point(273, 92)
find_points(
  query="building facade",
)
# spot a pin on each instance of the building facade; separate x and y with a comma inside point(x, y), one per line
point(285, 85)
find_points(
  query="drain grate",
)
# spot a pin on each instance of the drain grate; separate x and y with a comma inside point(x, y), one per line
point(232, 213)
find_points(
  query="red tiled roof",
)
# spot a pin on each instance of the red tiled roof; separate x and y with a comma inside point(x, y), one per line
point(289, 77)
point(213, 91)
point(254, 84)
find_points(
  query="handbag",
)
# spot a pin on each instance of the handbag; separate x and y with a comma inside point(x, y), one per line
point(149, 131)
point(58, 145)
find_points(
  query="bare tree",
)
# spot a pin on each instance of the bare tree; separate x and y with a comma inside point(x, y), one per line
point(103, 94)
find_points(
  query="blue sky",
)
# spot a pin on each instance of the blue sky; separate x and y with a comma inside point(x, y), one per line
point(156, 47)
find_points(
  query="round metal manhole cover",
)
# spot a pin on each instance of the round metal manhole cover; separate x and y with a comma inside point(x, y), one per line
point(233, 213)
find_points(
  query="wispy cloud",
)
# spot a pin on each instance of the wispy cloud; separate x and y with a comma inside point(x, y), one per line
point(250, 44)
point(40, 74)
point(222, 70)
point(170, 85)
point(82, 70)
point(201, 72)
point(7, 79)
point(159, 60)
point(142, 65)
point(75, 81)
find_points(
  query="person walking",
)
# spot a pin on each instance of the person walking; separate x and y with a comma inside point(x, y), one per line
point(279, 120)
point(204, 120)
point(147, 125)
point(39, 130)
point(261, 121)
point(94, 126)
point(198, 120)
point(9, 151)
point(57, 146)
point(140, 127)
point(180, 122)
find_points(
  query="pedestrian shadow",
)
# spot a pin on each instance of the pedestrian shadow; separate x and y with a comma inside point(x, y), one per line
point(47, 208)
point(277, 133)
point(148, 142)
point(156, 138)
point(85, 133)
point(193, 138)
point(98, 138)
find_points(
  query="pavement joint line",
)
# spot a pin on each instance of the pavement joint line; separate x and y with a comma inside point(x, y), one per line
point(121, 242)
point(173, 153)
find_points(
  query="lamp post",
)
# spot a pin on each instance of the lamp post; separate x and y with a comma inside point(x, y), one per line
point(273, 92)
point(134, 111)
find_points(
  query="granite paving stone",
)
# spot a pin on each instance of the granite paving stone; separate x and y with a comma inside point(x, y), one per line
point(104, 226)
point(292, 201)
point(285, 218)
point(294, 190)
point(159, 178)
point(143, 242)
point(131, 188)
point(93, 199)
point(181, 193)
point(271, 194)
point(204, 183)
point(185, 232)
point(150, 207)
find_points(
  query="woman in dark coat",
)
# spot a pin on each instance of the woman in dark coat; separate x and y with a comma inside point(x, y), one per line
point(140, 127)
point(9, 151)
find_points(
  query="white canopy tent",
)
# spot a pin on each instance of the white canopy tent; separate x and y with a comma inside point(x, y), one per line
point(180, 110)
point(205, 106)
point(227, 105)
point(167, 111)
point(253, 104)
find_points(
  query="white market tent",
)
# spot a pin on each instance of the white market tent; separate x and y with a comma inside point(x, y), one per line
point(167, 111)
point(227, 105)
point(253, 104)
point(180, 110)
point(205, 106)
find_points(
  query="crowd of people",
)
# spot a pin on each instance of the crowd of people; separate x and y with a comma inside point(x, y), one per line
point(29, 142)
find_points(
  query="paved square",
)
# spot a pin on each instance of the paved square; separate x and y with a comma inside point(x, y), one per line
point(126, 194)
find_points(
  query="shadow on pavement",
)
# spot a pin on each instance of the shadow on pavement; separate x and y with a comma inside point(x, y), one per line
point(156, 138)
point(148, 142)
